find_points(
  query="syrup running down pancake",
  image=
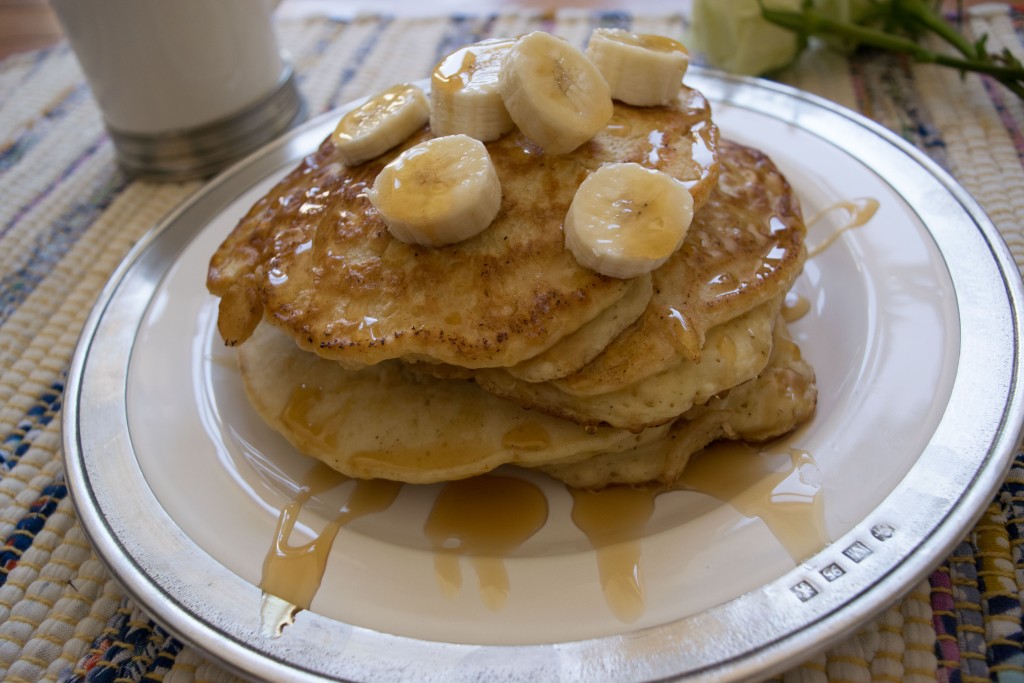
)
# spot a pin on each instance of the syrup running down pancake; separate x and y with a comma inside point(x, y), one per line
point(315, 258)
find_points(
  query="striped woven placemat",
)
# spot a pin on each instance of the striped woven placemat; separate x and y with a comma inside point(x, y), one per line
point(68, 216)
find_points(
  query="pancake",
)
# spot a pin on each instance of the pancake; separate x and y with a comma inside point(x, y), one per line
point(735, 351)
point(707, 326)
point(384, 422)
point(314, 257)
point(744, 247)
point(579, 348)
point(780, 398)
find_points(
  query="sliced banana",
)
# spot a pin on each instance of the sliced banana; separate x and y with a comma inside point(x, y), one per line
point(641, 69)
point(553, 92)
point(438, 192)
point(464, 95)
point(626, 220)
point(383, 121)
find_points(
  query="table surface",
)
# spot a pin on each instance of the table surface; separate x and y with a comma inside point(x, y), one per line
point(69, 215)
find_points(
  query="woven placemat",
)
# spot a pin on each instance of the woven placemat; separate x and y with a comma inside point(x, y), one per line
point(68, 216)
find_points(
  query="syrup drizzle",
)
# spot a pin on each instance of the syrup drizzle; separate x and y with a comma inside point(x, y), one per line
point(614, 519)
point(292, 574)
point(782, 489)
point(794, 307)
point(858, 212)
point(485, 518)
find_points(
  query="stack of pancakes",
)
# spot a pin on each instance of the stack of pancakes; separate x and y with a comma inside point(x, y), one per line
point(424, 364)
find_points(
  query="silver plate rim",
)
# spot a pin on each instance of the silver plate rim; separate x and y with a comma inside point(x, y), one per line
point(198, 603)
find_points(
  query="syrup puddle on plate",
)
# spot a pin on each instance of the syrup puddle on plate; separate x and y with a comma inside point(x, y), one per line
point(292, 574)
point(783, 490)
point(483, 520)
point(614, 520)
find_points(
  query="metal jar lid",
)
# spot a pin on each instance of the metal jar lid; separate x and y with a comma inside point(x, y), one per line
point(204, 150)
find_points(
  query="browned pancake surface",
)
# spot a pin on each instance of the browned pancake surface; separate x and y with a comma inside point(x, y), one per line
point(314, 257)
point(744, 247)
point(779, 399)
point(380, 421)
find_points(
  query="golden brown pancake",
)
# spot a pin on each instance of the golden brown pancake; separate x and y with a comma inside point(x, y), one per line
point(577, 349)
point(780, 398)
point(382, 421)
point(425, 364)
point(734, 352)
point(707, 326)
point(314, 257)
point(744, 247)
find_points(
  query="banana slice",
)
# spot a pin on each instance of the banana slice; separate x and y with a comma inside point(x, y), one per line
point(380, 123)
point(554, 93)
point(641, 69)
point(438, 192)
point(626, 220)
point(464, 95)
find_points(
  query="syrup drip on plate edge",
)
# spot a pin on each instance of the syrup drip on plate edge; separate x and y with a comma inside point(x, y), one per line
point(486, 518)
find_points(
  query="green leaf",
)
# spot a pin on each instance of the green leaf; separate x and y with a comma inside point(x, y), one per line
point(898, 26)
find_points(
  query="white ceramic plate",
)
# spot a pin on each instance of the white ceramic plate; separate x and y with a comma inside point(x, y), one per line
point(913, 329)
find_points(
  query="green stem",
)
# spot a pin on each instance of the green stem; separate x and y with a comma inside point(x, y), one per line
point(923, 15)
point(810, 22)
point(1013, 86)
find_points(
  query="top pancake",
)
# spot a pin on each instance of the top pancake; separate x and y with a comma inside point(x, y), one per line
point(315, 258)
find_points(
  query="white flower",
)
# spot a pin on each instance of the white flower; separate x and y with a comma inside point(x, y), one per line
point(734, 37)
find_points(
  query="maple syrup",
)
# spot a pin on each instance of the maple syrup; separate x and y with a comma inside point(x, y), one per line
point(484, 519)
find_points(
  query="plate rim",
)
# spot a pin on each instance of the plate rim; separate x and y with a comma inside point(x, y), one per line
point(773, 653)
